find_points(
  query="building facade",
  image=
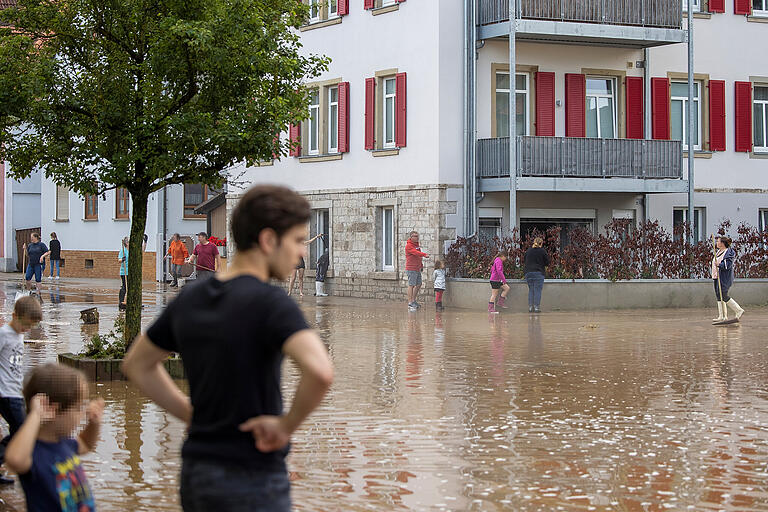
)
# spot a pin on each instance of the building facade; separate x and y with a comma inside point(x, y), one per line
point(409, 129)
point(20, 213)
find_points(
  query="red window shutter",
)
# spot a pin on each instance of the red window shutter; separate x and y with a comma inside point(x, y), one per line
point(716, 5)
point(294, 135)
point(742, 6)
point(370, 116)
point(743, 94)
point(343, 117)
point(634, 107)
point(575, 104)
point(545, 104)
point(343, 7)
point(717, 115)
point(400, 1)
point(401, 115)
point(368, 4)
point(660, 108)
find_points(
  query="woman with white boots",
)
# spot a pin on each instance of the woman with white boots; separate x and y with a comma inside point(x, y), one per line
point(722, 275)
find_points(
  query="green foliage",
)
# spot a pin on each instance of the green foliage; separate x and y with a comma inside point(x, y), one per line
point(107, 346)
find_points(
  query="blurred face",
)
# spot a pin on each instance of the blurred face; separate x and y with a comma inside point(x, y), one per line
point(720, 244)
point(415, 238)
point(283, 254)
point(201, 239)
point(34, 239)
point(25, 324)
point(69, 419)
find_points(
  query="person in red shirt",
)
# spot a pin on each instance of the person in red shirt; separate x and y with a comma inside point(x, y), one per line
point(413, 268)
point(205, 257)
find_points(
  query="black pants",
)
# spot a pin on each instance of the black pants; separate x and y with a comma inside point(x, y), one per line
point(725, 297)
point(13, 411)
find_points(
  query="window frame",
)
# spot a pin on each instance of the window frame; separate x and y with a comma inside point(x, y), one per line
point(762, 219)
point(93, 201)
point(698, 211)
point(316, 6)
point(333, 13)
point(762, 13)
point(696, 5)
point(384, 125)
point(185, 206)
point(122, 198)
point(698, 100)
point(332, 150)
point(65, 191)
point(614, 104)
point(384, 237)
point(497, 225)
point(526, 93)
point(314, 108)
point(764, 103)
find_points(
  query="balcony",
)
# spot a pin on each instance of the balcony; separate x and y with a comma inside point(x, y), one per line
point(628, 23)
point(583, 165)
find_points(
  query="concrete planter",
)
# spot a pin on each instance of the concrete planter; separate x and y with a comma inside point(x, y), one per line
point(99, 370)
point(596, 294)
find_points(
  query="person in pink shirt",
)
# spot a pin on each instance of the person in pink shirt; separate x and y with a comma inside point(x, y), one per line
point(498, 282)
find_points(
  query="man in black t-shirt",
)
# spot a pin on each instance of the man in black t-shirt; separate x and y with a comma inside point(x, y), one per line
point(232, 332)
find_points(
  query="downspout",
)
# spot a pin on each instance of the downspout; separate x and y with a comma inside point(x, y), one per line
point(470, 59)
point(165, 231)
point(691, 121)
point(513, 221)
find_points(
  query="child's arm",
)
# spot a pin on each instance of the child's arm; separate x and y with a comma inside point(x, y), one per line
point(87, 439)
point(18, 455)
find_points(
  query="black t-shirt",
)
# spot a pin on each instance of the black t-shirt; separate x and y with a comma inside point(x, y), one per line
point(55, 249)
point(35, 251)
point(536, 260)
point(230, 335)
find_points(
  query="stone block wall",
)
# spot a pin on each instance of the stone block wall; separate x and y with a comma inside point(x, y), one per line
point(356, 236)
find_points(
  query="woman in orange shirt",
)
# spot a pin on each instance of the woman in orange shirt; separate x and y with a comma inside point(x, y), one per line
point(178, 253)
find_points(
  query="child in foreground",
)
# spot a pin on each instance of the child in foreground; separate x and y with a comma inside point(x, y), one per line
point(43, 451)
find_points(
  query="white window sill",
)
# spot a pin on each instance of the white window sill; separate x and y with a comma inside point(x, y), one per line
point(335, 20)
point(60, 220)
point(319, 158)
point(121, 219)
point(385, 9)
point(386, 152)
point(759, 154)
point(698, 153)
point(90, 220)
point(758, 17)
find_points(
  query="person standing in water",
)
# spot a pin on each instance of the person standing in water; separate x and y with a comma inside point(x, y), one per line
point(722, 276)
point(498, 282)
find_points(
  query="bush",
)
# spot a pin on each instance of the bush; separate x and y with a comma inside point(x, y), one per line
point(107, 346)
point(621, 252)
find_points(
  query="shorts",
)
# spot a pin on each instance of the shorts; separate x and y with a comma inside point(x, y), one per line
point(414, 277)
point(36, 270)
point(439, 289)
point(495, 285)
point(301, 264)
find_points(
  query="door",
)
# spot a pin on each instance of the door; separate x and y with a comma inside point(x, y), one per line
point(22, 237)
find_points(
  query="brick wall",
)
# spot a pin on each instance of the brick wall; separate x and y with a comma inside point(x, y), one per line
point(105, 264)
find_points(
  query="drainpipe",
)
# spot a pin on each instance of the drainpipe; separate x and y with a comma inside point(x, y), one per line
point(691, 120)
point(512, 116)
point(470, 59)
point(165, 230)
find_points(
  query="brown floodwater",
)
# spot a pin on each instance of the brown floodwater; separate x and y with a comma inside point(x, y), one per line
point(626, 411)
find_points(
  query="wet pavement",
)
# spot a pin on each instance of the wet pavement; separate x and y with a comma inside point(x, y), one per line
point(627, 411)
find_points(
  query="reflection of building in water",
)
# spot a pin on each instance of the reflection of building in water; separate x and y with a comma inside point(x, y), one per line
point(414, 353)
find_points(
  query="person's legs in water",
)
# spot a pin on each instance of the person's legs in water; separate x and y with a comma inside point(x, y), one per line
point(529, 281)
point(538, 286)
point(492, 300)
point(439, 299)
point(502, 300)
point(301, 282)
point(737, 310)
point(125, 287)
point(38, 270)
point(292, 281)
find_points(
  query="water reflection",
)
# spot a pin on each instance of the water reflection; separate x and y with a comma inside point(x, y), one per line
point(462, 411)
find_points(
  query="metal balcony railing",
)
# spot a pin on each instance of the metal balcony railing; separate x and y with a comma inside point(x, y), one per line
point(582, 158)
point(644, 13)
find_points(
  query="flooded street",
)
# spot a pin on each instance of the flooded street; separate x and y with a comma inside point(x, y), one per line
point(625, 411)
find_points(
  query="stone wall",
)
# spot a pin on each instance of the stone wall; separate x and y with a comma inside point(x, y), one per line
point(356, 236)
point(100, 264)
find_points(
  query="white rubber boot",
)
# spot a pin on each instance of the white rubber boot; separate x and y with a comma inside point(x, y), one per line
point(719, 312)
point(318, 288)
point(735, 308)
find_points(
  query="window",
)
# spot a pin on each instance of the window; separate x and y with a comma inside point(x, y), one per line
point(314, 122)
point(760, 7)
point(760, 118)
point(388, 238)
point(333, 8)
point(389, 112)
point(522, 105)
point(763, 219)
point(333, 119)
point(680, 216)
point(314, 10)
point(91, 206)
point(122, 203)
point(319, 223)
point(62, 203)
point(696, 5)
point(194, 196)
point(679, 113)
point(601, 108)
point(489, 229)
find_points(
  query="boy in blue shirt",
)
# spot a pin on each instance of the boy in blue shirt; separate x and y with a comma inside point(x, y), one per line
point(43, 452)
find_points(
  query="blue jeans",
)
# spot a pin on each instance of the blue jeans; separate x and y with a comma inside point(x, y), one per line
point(535, 282)
point(57, 265)
point(36, 270)
point(12, 409)
point(218, 486)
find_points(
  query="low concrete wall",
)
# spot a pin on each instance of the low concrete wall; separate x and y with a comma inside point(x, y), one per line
point(592, 294)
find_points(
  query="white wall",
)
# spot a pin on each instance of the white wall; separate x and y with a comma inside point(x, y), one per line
point(409, 40)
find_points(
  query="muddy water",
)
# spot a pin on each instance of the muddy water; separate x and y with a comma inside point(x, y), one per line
point(632, 411)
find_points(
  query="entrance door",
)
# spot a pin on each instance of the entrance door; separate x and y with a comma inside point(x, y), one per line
point(23, 237)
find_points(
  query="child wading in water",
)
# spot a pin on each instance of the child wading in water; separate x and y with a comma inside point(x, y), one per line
point(43, 452)
point(498, 282)
point(438, 276)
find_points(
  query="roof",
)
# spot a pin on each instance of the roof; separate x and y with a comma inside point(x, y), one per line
point(216, 201)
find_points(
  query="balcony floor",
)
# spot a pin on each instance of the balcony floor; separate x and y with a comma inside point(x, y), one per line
point(558, 184)
point(592, 34)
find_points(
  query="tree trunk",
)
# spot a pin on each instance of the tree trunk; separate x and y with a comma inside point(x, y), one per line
point(135, 265)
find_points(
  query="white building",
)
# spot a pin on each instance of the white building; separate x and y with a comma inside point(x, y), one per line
point(20, 214)
point(409, 131)
point(91, 229)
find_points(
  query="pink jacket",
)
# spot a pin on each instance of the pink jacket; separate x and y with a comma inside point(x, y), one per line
point(497, 271)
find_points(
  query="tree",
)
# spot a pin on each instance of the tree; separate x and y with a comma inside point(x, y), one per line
point(140, 94)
